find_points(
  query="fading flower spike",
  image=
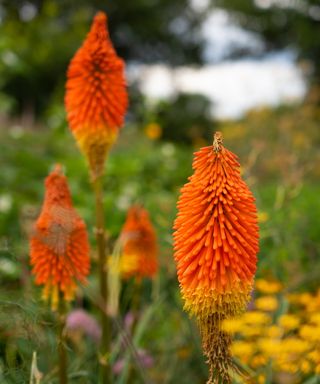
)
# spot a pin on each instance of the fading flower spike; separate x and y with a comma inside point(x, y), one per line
point(96, 98)
point(140, 251)
point(216, 245)
point(59, 247)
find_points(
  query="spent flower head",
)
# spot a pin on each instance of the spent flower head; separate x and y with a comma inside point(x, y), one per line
point(59, 247)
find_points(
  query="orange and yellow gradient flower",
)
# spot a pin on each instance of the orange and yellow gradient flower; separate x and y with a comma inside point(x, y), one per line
point(96, 98)
point(59, 247)
point(216, 244)
point(140, 250)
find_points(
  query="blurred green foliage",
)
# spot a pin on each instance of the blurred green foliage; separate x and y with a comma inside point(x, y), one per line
point(38, 39)
point(278, 151)
point(185, 118)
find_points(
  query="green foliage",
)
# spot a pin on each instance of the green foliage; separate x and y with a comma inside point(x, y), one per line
point(278, 160)
point(37, 41)
point(186, 118)
point(278, 150)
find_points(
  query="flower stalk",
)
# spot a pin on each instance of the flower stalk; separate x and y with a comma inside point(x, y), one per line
point(104, 360)
point(96, 101)
point(62, 351)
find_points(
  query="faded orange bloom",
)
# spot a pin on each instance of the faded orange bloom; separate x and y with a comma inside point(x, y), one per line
point(59, 247)
point(96, 98)
point(216, 245)
point(140, 250)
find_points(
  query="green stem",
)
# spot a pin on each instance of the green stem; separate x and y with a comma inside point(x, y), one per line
point(62, 351)
point(135, 311)
point(135, 307)
point(104, 360)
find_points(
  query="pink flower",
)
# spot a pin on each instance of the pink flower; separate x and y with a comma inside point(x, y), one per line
point(80, 320)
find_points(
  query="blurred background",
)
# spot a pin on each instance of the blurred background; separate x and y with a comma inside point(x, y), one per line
point(247, 68)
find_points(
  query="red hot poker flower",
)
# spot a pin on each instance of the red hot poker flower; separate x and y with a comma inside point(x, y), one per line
point(59, 247)
point(140, 249)
point(96, 98)
point(216, 244)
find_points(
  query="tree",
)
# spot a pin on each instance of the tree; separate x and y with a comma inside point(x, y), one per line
point(282, 23)
point(38, 38)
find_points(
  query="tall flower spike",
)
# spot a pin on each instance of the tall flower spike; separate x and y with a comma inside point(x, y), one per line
point(216, 245)
point(140, 249)
point(59, 247)
point(96, 97)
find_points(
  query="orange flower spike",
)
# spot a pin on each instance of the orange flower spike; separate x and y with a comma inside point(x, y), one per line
point(96, 98)
point(216, 244)
point(59, 247)
point(140, 251)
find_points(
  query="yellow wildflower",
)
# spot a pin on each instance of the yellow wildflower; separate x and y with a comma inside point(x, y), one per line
point(315, 318)
point(314, 304)
point(256, 317)
point(252, 330)
point(232, 325)
point(153, 131)
point(305, 366)
point(289, 322)
point(274, 332)
point(266, 303)
point(288, 367)
point(266, 286)
point(314, 356)
point(242, 348)
point(269, 347)
point(310, 333)
point(294, 345)
point(291, 343)
point(305, 298)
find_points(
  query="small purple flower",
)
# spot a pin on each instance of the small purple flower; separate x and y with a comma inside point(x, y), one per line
point(80, 320)
point(129, 320)
point(146, 360)
point(118, 366)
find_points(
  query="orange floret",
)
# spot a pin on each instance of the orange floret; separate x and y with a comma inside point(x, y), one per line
point(216, 244)
point(140, 251)
point(59, 247)
point(96, 98)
